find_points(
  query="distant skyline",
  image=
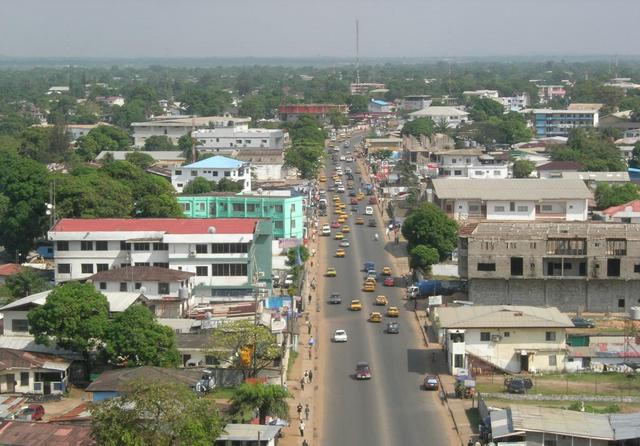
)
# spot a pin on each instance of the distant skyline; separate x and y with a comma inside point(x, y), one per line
point(309, 29)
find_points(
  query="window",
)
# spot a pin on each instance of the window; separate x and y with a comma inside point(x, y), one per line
point(24, 379)
point(178, 172)
point(486, 266)
point(20, 325)
point(211, 360)
point(194, 173)
point(87, 268)
point(163, 288)
point(103, 285)
point(550, 336)
point(251, 207)
point(279, 208)
point(229, 248)
point(142, 246)
point(621, 303)
point(517, 266)
point(62, 246)
point(142, 264)
point(498, 208)
point(478, 173)
point(485, 336)
point(512, 206)
point(523, 208)
point(506, 334)
point(496, 173)
point(215, 173)
point(238, 207)
point(457, 173)
point(124, 246)
point(202, 271)
point(123, 286)
point(474, 208)
point(227, 174)
point(229, 269)
point(102, 245)
point(160, 246)
point(86, 245)
point(547, 208)
point(102, 267)
point(553, 360)
point(137, 285)
point(552, 442)
point(202, 249)
point(278, 224)
point(64, 268)
point(458, 360)
point(613, 267)
point(636, 268)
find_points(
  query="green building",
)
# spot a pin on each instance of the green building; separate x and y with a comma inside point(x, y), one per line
point(285, 209)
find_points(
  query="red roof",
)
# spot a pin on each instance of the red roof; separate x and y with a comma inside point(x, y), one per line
point(560, 165)
point(9, 269)
point(634, 205)
point(167, 225)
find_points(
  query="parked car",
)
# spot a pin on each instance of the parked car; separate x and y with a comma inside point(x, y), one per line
point(518, 384)
point(33, 412)
point(431, 383)
point(580, 322)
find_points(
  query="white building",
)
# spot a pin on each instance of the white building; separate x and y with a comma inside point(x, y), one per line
point(175, 127)
point(513, 338)
point(416, 102)
point(451, 115)
point(513, 199)
point(212, 169)
point(471, 163)
point(489, 94)
point(266, 164)
point(224, 253)
point(240, 137)
point(78, 130)
point(516, 102)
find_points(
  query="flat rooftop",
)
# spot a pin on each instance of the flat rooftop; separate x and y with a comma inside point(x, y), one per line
point(587, 229)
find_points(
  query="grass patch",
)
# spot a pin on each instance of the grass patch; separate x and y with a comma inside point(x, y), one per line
point(222, 392)
point(293, 355)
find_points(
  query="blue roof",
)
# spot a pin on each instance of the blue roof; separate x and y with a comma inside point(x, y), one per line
point(380, 102)
point(217, 162)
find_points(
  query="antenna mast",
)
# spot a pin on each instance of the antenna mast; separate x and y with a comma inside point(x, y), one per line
point(357, 52)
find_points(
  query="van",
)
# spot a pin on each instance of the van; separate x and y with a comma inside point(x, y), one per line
point(368, 210)
point(326, 230)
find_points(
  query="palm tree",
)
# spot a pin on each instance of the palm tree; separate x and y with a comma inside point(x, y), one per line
point(267, 399)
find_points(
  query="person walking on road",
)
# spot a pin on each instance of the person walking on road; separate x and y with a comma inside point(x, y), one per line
point(302, 428)
point(309, 322)
point(302, 384)
point(306, 376)
point(304, 443)
point(310, 375)
point(306, 411)
point(299, 409)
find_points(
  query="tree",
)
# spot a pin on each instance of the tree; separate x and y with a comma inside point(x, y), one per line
point(358, 103)
point(199, 185)
point(142, 160)
point(35, 143)
point(134, 337)
point(75, 317)
point(185, 145)
point(245, 346)
point(337, 119)
point(26, 282)
point(523, 168)
point(382, 154)
point(483, 108)
point(227, 185)
point(608, 195)
point(266, 399)
point(156, 414)
point(422, 257)
point(292, 255)
point(418, 127)
point(24, 183)
point(591, 149)
point(306, 156)
point(103, 137)
point(430, 226)
point(307, 129)
point(159, 142)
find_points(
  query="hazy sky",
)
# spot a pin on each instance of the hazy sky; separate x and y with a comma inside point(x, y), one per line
point(308, 28)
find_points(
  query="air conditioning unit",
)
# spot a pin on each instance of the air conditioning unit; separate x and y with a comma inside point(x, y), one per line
point(192, 253)
point(496, 338)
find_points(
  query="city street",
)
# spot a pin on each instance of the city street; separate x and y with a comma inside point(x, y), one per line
point(390, 408)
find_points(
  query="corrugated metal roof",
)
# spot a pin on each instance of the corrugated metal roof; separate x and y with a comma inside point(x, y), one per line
point(502, 316)
point(626, 426)
point(511, 189)
point(562, 422)
point(249, 432)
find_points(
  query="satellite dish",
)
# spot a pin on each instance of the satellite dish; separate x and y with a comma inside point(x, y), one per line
point(260, 190)
point(143, 289)
point(211, 230)
point(208, 315)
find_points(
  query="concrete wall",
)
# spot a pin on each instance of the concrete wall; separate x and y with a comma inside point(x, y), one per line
point(539, 438)
point(566, 294)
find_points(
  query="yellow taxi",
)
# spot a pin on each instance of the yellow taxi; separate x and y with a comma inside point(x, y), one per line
point(375, 317)
point(360, 196)
point(331, 272)
point(336, 198)
point(322, 179)
point(369, 286)
point(342, 219)
point(340, 252)
point(356, 305)
point(336, 178)
point(346, 229)
point(386, 271)
point(381, 300)
point(393, 312)
point(339, 235)
point(359, 221)
point(342, 206)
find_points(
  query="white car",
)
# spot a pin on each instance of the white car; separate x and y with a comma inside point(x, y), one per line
point(340, 336)
point(345, 243)
point(343, 158)
point(368, 210)
point(326, 230)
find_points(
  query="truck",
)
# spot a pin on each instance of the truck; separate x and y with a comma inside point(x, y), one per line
point(426, 288)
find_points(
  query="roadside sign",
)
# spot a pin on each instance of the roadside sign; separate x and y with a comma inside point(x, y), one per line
point(435, 300)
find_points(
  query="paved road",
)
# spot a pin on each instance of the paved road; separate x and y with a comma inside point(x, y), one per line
point(390, 409)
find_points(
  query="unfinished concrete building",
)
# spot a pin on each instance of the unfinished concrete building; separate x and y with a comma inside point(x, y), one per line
point(573, 266)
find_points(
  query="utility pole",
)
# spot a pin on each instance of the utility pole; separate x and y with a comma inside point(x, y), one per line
point(357, 52)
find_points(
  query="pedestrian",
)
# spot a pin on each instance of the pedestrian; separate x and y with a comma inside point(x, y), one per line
point(309, 322)
point(310, 375)
point(306, 376)
point(311, 342)
point(302, 383)
point(304, 443)
point(306, 411)
point(470, 443)
point(299, 408)
point(302, 428)
point(310, 302)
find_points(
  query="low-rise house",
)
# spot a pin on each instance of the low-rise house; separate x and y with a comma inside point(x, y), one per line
point(485, 94)
point(622, 120)
point(516, 102)
point(601, 351)
point(624, 213)
point(112, 383)
point(535, 425)
point(110, 101)
point(238, 138)
point(377, 144)
point(380, 106)
point(592, 179)
point(161, 158)
point(452, 116)
point(551, 92)
point(416, 102)
point(556, 169)
point(291, 112)
point(248, 434)
point(266, 164)
point(78, 130)
point(511, 338)
point(365, 87)
point(471, 163)
point(8, 270)
point(212, 169)
point(512, 199)
point(23, 433)
point(32, 373)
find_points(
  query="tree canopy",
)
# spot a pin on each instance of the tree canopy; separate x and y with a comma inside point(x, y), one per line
point(142, 160)
point(159, 142)
point(430, 226)
point(423, 257)
point(591, 149)
point(200, 185)
point(27, 281)
point(266, 399)
point(103, 137)
point(156, 414)
point(418, 127)
point(523, 168)
point(608, 195)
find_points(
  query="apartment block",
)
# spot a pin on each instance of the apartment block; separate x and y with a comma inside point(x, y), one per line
point(225, 254)
point(512, 199)
point(548, 122)
point(212, 169)
point(573, 266)
point(471, 163)
point(227, 139)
